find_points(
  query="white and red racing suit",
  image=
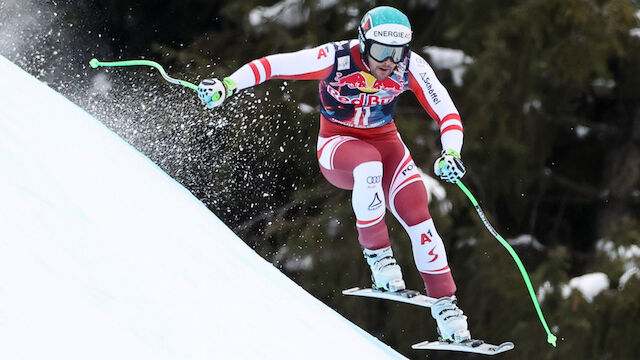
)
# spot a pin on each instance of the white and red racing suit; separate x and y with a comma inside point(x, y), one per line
point(360, 149)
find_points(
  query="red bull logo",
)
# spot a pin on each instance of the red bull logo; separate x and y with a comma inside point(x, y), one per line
point(361, 100)
point(366, 82)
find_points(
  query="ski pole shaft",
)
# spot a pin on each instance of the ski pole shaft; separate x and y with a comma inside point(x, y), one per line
point(551, 339)
point(95, 63)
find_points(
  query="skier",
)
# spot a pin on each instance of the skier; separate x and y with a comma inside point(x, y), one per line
point(360, 149)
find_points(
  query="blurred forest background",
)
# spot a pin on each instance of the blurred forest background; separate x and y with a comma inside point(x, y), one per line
point(550, 100)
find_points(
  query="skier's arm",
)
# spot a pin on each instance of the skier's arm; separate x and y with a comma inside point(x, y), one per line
point(435, 99)
point(308, 64)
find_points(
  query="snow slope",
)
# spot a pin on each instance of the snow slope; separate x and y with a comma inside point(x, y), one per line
point(104, 256)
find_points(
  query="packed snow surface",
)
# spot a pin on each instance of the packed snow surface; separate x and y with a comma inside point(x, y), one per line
point(104, 256)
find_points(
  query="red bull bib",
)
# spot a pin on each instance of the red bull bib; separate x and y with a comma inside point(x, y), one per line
point(352, 97)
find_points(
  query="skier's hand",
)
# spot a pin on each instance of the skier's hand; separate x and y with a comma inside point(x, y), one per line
point(449, 166)
point(213, 92)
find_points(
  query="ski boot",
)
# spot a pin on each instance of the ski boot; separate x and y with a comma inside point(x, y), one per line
point(452, 323)
point(385, 271)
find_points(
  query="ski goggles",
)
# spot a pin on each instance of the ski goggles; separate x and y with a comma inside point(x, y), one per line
point(380, 52)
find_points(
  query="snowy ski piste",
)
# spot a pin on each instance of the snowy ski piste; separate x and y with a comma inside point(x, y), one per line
point(104, 256)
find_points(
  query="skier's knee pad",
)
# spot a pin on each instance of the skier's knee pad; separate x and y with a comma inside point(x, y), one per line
point(368, 197)
point(428, 249)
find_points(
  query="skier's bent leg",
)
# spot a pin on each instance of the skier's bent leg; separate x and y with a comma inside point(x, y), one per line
point(369, 206)
point(410, 205)
point(350, 163)
point(353, 164)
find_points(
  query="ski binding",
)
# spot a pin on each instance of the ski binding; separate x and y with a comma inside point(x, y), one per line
point(471, 346)
point(406, 296)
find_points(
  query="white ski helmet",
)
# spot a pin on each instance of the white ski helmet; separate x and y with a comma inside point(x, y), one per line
point(384, 32)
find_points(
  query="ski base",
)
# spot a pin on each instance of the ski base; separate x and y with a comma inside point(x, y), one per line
point(472, 346)
point(406, 296)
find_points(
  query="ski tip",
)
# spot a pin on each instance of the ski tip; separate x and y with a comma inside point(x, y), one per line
point(506, 346)
point(350, 291)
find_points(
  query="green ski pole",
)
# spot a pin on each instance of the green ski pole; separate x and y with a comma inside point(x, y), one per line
point(95, 63)
point(551, 339)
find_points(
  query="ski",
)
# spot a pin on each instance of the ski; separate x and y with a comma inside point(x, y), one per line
point(416, 298)
point(406, 296)
point(471, 346)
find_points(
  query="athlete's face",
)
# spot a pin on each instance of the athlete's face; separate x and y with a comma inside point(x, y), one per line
point(381, 70)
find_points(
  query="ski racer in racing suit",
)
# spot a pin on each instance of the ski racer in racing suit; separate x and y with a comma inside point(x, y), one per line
point(360, 149)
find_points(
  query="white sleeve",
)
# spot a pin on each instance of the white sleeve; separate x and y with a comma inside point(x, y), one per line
point(308, 64)
point(435, 99)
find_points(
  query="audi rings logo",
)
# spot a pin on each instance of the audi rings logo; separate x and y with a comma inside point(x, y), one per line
point(374, 179)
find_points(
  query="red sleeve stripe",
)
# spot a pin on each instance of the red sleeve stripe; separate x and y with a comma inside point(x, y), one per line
point(451, 127)
point(417, 90)
point(267, 67)
point(450, 117)
point(256, 72)
point(451, 122)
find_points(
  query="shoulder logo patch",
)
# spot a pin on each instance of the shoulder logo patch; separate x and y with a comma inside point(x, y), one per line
point(344, 63)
